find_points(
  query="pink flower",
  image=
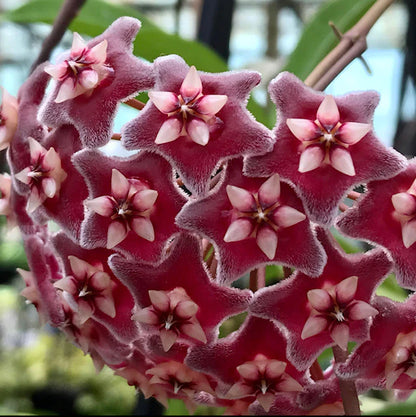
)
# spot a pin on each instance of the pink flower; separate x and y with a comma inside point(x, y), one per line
point(251, 222)
point(5, 207)
point(197, 120)
point(8, 118)
point(323, 145)
point(87, 289)
point(189, 113)
point(94, 79)
point(172, 312)
point(82, 71)
point(133, 203)
point(393, 201)
point(44, 175)
point(251, 364)
point(386, 360)
point(204, 302)
point(334, 308)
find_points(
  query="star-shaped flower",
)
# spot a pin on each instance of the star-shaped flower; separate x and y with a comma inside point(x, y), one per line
point(324, 145)
point(253, 221)
point(197, 120)
point(93, 79)
point(387, 359)
point(133, 203)
point(251, 364)
point(8, 118)
point(393, 201)
point(180, 274)
point(44, 175)
point(92, 290)
point(329, 310)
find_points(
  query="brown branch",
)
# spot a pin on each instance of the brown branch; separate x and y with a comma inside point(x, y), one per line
point(316, 371)
point(66, 14)
point(136, 104)
point(347, 388)
point(352, 44)
point(116, 136)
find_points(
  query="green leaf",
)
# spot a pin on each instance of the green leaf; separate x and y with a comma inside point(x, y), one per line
point(318, 39)
point(390, 288)
point(96, 15)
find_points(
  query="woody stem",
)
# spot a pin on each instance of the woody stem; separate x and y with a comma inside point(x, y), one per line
point(347, 388)
point(352, 44)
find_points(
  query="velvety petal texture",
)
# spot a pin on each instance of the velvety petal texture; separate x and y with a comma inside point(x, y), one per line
point(92, 113)
point(244, 240)
point(317, 312)
point(215, 303)
point(141, 200)
point(320, 148)
point(211, 132)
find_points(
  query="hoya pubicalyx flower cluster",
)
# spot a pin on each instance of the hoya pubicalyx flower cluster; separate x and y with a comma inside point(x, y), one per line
point(151, 251)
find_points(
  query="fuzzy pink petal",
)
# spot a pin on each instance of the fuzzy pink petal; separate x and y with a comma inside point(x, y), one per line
point(169, 131)
point(362, 310)
point(352, 132)
point(238, 230)
point(346, 289)
point(165, 101)
point(191, 85)
point(195, 331)
point(88, 79)
point(103, 205)
point(328, 113)
point(239, 390)
point(404, 203)
point(78, 44)
point(168, 338)
point(67, 284)
point(119, 185)
point(159, 299)
point(240, 198)
point(303, 129)
point(186, 309)
point(266, 400)
point(49, 187)
point(311, 158)
point(35, 200)
point(106, 305)
point(286, 216)
point(144, 200)
point(117, 232)
point(313, 326)
point(341, 160)
point(320, 299)
point(23, 175)
point(57, 71)
point(340, 335)
point(409, 233)
point(146, 315)
point(143, 227)
point(211, 104)
point(198, 131)
point(99, 52)
point(269, 191)
point(267, 242)
point(248, 371)
point(67, 90)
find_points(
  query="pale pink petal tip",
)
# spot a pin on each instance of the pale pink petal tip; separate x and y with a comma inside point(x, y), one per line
point(286, 216)
point(198, 131)
point(100, 205)
point(303, 129)
point(191, 85)
point(211, 104)
point(341, 160)
point(404, 203)
point(310, 159)
point(269, 191)
point(238, 230)
point(144, 228)
point(319, 299)
point(313, 326)
point(117, 232)
point(409, 233)
point(169, 131)
point(328, 113)
point(362, 310)
point(119, 184)
point(352, 132)
point(346, 289)
point(267, 242)
point(240, 198)
point(165, 101)
point(159, 299)
point(340, 335)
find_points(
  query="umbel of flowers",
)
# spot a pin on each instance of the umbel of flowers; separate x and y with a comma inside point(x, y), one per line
point(151, 249)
